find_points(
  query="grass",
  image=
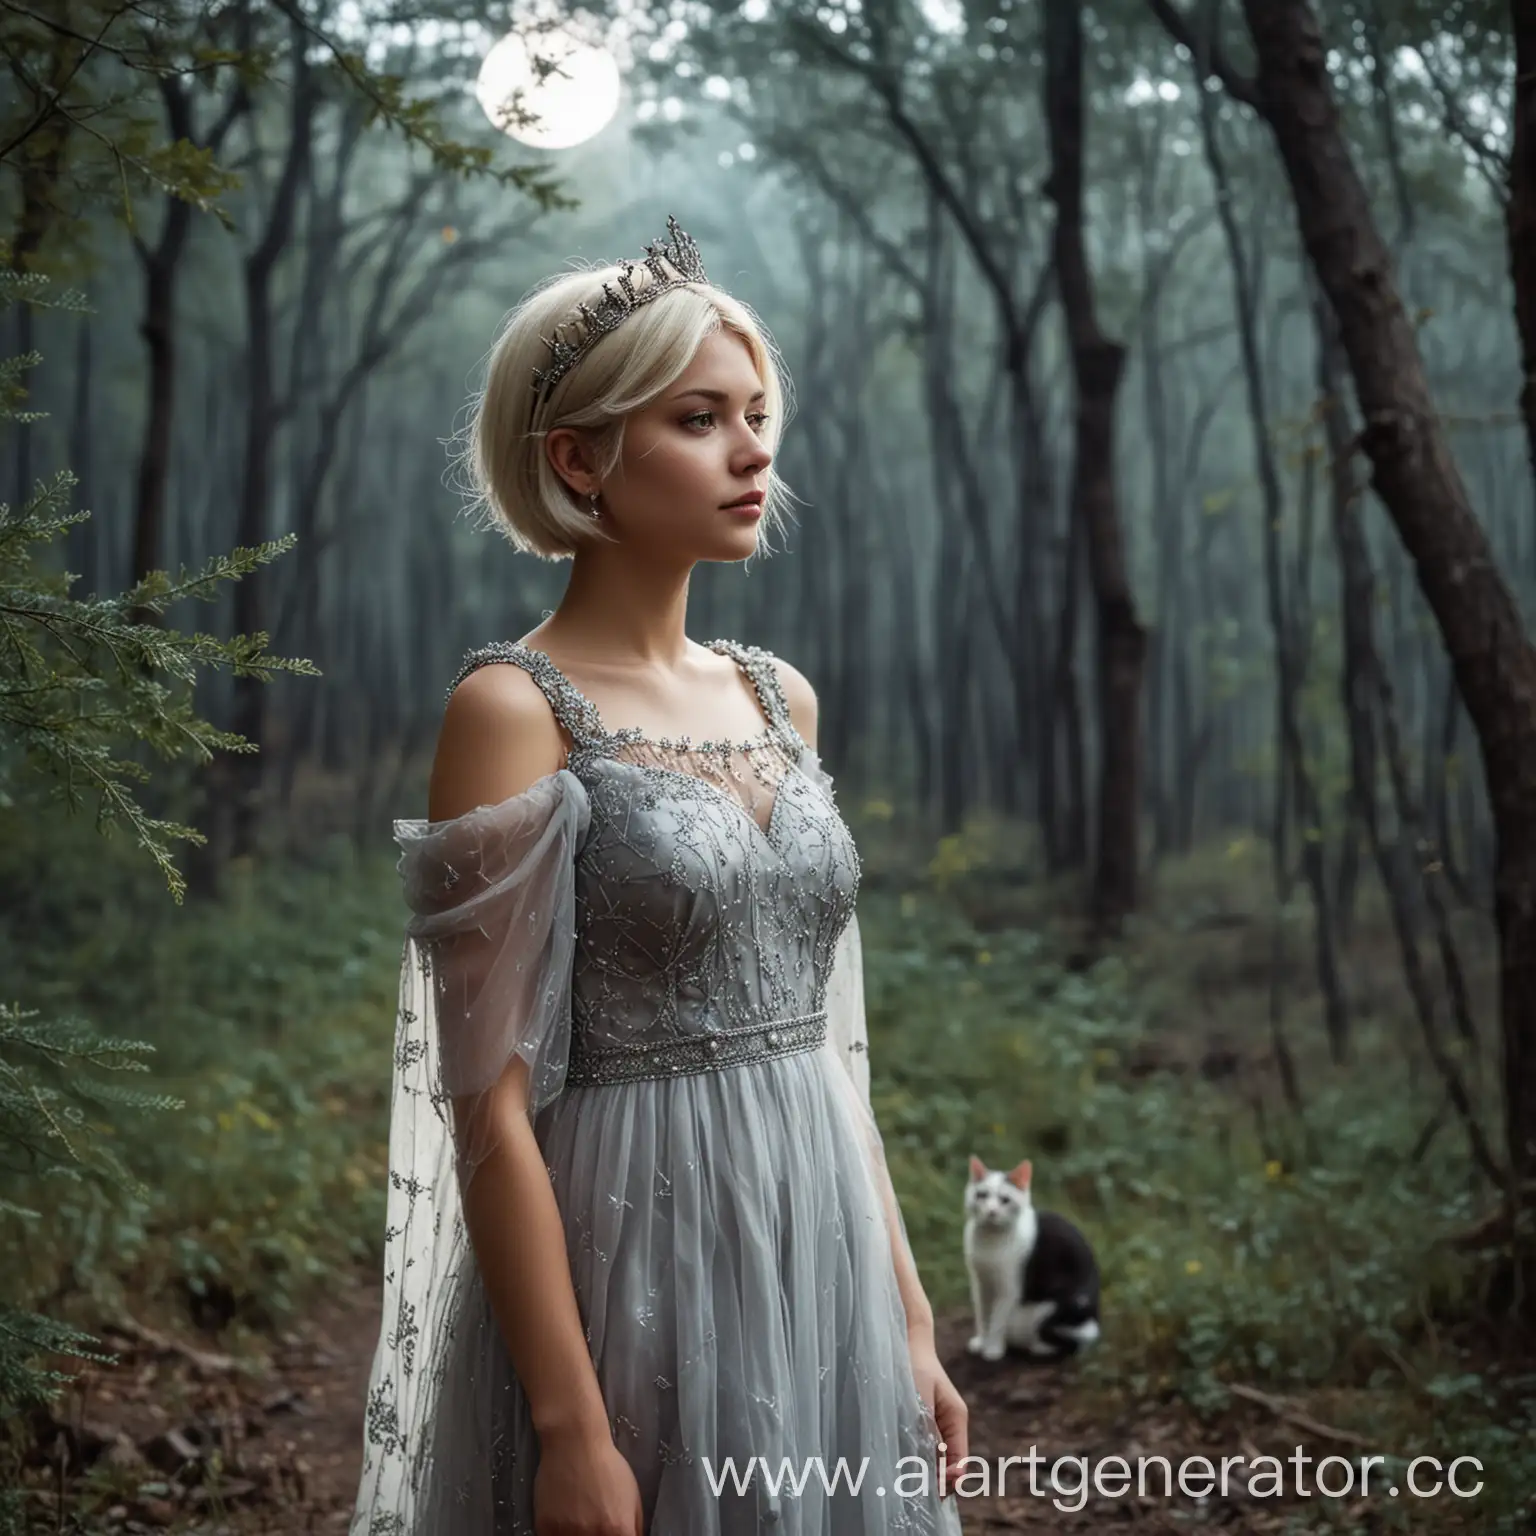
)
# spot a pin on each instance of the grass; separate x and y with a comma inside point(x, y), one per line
point(1240, 1244)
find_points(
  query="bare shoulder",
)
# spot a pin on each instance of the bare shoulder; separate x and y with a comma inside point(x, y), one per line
point(498, 737)
point(800, 697)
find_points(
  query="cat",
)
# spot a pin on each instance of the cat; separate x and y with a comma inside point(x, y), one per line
point(1034, 1278)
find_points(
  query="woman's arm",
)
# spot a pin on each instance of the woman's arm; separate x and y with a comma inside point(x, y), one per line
point(913, 1297)
point(515, 1226)
point(498, 737)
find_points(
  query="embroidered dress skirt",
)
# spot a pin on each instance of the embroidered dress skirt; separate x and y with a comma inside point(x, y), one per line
point(734, 1272)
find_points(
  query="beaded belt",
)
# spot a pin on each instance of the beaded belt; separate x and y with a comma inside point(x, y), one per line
point(709, 1051)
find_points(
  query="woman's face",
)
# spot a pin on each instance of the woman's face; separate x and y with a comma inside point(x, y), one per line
point(691, 453)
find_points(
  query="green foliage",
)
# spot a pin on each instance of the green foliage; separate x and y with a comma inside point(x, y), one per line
point(82, 678)
point(48, 1094)
point(81, 684)
point(390, 102)
point(85, 115)
point(52, 1135)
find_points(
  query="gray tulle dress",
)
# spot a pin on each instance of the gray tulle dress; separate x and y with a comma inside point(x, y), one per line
point(665, 932)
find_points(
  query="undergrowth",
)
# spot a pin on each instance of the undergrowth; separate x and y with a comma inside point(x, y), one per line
point(1308, 1256)
point(271, 1016)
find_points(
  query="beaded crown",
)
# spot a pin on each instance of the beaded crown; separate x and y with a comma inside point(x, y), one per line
point(594, 321)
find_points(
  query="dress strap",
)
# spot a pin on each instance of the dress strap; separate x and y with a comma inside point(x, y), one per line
point(579, 716)
point(764, 677)
point(575, 712)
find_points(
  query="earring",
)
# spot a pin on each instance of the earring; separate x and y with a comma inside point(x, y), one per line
point(593, 507)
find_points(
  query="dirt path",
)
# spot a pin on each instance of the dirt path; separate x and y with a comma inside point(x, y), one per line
point(181, 1439)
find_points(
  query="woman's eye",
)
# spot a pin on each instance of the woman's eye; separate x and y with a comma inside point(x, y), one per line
point(706, 418)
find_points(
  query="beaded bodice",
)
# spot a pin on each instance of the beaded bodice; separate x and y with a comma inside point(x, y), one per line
point(712, 885)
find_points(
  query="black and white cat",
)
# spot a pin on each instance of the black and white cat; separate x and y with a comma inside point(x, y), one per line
point(1034, 1279)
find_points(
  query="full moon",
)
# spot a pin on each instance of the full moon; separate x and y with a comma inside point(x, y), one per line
point(573, 101)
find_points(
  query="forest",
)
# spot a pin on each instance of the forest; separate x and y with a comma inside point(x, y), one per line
point(1163, 445)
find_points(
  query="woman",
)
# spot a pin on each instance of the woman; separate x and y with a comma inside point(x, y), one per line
point(644, 1268)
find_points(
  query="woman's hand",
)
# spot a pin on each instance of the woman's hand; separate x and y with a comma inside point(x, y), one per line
point(585, 1487)
point(943, 1402)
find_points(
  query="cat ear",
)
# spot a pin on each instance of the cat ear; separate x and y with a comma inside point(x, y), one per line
point(1021, 1175)
point(978, 1168)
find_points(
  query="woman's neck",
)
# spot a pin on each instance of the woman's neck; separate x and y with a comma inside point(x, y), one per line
point(620, 608)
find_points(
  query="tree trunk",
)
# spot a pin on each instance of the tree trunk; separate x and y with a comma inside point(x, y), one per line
point(1062, 752)
point(1357, 594)
point(1520, 214)
point(33, 222)
point(1098, 365)
point(235, 785)
point(1038, 659)
point(1293, 781)
point(1417, 479)
point(158, 328)
point(1167, 565)
point(84, 539)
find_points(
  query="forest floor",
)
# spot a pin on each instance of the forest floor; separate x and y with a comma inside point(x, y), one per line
point(197, 1441)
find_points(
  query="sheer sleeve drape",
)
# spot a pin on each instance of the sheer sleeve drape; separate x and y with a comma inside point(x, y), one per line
point(848, 1045)
point(847, 1031)
point(485, 977)
point(492, 896)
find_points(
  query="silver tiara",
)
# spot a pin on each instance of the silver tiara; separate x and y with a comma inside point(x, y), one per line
point(681, 253)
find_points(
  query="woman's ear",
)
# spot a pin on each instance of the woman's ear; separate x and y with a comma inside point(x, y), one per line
point(567, 453)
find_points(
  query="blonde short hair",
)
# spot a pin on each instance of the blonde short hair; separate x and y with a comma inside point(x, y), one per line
point(510, 476)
